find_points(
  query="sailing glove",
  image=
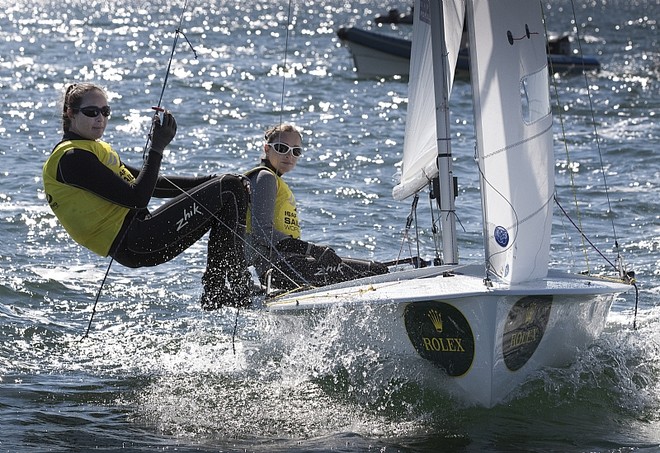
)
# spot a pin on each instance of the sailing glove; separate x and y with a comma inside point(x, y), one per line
point(162, 134)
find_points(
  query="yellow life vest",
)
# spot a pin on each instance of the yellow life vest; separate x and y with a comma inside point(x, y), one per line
point(90, 220)
point(285, 215)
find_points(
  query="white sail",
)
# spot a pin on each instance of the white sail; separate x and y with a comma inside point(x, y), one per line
point(420, 148)
point(485, 338)
point(513, 124)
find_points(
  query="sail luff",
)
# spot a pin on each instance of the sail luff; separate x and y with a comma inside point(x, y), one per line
point(419, 162)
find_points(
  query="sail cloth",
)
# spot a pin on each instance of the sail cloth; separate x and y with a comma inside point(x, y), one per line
point(420, 142)
point(513, 124)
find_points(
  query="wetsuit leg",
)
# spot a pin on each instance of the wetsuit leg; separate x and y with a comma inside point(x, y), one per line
point(300, 270)
point(227, 280)
point(218, 205)
point(293, 272)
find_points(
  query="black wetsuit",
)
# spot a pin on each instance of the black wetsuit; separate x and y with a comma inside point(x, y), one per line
point(292, 260)
point(198, 204)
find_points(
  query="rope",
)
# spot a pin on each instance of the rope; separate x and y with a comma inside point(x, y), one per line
point(584, 236)
point(146, 147)
point(284, 63)
point(620, 270)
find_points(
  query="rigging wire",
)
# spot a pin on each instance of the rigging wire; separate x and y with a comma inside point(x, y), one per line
point(593, 122)
point(619, 268)
point(272, 247)
point(96, 300)
point(435, 233)
point(567, 153)
point(157, 109)
point(146, 147)
point(584, 236)
point(285, 62)
point(624, 275)
point(412, 216)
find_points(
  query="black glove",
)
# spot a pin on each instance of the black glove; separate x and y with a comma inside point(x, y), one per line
point(162, 134)
point(324, 255)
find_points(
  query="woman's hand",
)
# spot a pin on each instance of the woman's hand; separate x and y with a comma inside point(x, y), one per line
point(162, 134)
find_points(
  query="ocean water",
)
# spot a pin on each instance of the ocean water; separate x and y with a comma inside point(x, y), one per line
point(158, 373)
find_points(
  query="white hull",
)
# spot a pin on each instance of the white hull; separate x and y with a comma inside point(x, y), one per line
point(485, 341)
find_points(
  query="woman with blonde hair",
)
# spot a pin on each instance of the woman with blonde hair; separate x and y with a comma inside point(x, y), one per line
point(274, 229)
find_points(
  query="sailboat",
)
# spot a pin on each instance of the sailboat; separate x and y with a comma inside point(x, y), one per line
point(479, 330)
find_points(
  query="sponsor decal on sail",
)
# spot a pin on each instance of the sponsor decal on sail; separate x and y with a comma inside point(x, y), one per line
point(501, 236)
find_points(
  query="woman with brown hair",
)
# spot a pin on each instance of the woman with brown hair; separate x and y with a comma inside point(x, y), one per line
point(102, 201)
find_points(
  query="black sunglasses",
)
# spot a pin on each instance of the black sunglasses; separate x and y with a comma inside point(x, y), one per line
point(283, 148)
point(93, 111)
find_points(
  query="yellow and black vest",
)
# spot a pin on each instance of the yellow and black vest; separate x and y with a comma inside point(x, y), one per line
point(285, 217)
point(89, 219)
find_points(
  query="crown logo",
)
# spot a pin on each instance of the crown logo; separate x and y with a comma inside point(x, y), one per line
point(529, 316)
point(436, 319)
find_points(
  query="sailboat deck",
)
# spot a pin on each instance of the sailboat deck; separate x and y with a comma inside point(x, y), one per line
point(439, 283)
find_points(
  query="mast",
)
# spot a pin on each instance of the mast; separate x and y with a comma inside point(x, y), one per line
point(444, 159)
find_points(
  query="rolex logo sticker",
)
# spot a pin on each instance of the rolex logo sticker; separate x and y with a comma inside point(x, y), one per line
point(524, 329)
point(440, 333)
point(436, 319)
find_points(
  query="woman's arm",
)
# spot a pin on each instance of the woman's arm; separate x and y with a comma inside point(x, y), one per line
point(82, 169)
point(264, 193)
point(172, 186)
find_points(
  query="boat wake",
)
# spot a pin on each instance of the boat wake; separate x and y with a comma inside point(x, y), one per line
point(297, 380)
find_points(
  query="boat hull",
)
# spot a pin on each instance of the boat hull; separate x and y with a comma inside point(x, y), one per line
point(476, 342)
point(375, 54)
point(378, 55)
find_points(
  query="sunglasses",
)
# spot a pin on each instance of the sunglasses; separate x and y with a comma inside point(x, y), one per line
point(93, 112)
point(283, 148)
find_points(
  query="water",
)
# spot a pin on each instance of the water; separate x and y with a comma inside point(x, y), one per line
point(158, 373)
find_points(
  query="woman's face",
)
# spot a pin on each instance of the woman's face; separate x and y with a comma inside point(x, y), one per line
point(90, 127)
point(283, 163)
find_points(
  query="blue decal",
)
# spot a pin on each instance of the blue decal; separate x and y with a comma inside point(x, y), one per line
point(501, 236)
